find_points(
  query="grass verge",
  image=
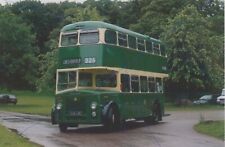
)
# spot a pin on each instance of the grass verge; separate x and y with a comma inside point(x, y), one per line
point(30, 102)
point(211, 128)
point(11, 139)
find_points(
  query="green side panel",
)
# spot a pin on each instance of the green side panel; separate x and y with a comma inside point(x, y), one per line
point(110, 56)
point(139, 105)
point(74, 57)
point(131, 105)
point(115, 56)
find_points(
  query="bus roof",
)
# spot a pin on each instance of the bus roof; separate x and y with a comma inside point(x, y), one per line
point(100, 24)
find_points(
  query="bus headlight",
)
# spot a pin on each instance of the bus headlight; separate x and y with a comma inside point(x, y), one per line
point(93, 105)
point(93, 114)
point(58, 106)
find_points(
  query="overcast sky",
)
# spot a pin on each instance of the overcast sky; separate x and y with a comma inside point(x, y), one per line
point(3, 2)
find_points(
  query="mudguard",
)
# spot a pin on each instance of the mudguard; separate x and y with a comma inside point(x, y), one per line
point(105, 109)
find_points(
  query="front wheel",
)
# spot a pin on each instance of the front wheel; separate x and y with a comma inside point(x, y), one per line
point(112, 120)
point(63, 127)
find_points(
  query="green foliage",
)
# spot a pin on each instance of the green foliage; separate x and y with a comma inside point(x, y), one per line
point(192, 30)
point(42, 18)
point(192, 52)
point(17, 61)
point(81, 14)
point(155, 15)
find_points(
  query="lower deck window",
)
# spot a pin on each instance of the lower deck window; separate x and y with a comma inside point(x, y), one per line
point(66, 80)
point(151, 84)
point(144, 84)
point(125, 83)
point(159, 85)
point(85, 79)
point(106, 80)
point(135, 83)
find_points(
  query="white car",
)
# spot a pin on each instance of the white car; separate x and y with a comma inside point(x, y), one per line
point(203, 100)
point(221, 99)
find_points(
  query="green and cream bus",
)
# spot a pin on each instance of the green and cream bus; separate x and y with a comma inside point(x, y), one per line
point(106, 75)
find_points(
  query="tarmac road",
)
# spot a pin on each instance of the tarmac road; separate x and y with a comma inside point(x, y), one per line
point(175, 130)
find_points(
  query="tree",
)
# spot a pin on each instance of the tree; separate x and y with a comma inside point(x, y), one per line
point(48, 62)
point(193, 52)
point(18, 64)
point(42, 18)
point(155, 14)
point(81, 14)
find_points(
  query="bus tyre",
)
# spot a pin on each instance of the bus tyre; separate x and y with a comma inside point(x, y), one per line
point(112, 121)
point(156, 114)
point(63, 127)
point(53, 120)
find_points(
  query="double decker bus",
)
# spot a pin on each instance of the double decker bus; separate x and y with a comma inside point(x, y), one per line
point(106, 75)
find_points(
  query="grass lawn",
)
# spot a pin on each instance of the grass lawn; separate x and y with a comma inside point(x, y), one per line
point(211, 128)
point(11, 139)
point(36, 103)
point(30, 102)
point(172, 107)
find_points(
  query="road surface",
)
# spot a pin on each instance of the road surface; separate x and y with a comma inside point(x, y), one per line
point(175, 130)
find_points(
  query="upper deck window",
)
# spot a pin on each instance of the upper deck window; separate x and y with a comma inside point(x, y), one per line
point(106, 80)
point(149, 46)
point(69, 39)
point(89, 37)
point(132, 42)
point(156, 48)
point(141, 45)
point(110, 37)
point(163, 51)
point(122, 38)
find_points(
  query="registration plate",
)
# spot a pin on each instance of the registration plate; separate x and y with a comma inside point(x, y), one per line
point(75, 113)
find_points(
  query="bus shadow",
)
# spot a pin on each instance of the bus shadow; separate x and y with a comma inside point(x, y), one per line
point(131, 125)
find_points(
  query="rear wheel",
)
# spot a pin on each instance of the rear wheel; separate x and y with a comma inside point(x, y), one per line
point(156, 114)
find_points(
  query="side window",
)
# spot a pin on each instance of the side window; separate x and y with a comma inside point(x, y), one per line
point(135, 83)
point(132, 42)
point(110, 37)
point(149, 46)
point(89, 36)
point(163, 51)
point(159, 85)
point(156, 48)
point(125, 83)
point(69, 39)
point(122, 38)
point(141, 45)
point(151, 84)
point(144, 84)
